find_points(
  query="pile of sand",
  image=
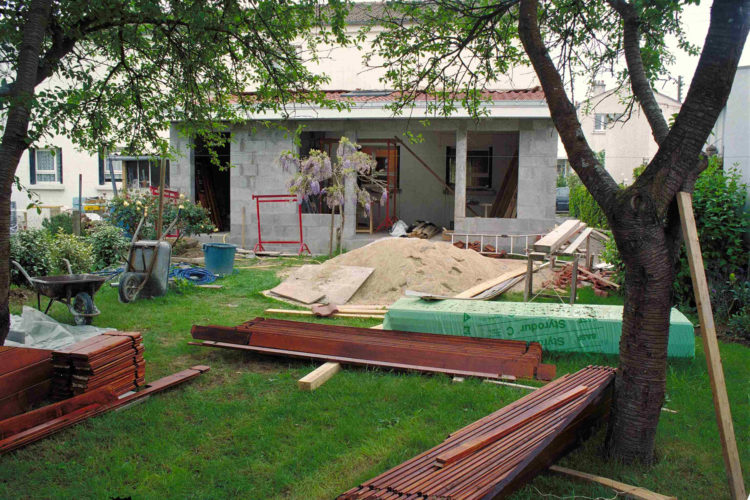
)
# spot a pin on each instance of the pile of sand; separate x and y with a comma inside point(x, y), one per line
point(425, 266)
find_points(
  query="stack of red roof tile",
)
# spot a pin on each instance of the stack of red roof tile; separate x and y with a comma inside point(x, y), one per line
point(113, 358)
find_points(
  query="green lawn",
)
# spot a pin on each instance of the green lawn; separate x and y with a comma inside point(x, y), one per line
point(244, 430)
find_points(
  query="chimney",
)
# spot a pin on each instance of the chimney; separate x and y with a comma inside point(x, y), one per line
point(598, 87)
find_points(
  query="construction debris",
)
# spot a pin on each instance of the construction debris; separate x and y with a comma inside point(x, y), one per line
point(424, 230)
point(497, 454)
point(424, 352)
point(112, 359)
point(600, 279)
point(38, 424)
point(328, 283)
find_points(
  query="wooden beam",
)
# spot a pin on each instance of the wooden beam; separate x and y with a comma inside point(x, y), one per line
point(553, 240)
point(477, 289)
point(371, 314)
point(711, 347)
point(318, 377)
point(160, 214)
point(573, 247)
point(591, 275)
point(629, 491)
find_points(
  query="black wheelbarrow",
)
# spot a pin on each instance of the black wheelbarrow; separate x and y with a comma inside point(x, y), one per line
point(74, 290)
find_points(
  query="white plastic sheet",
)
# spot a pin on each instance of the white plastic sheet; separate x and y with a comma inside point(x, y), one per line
point(35, 329)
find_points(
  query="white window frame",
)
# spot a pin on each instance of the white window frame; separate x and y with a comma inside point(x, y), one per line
point(116, 169)
point(38, 171)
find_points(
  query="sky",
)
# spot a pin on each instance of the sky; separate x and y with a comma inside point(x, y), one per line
point(695, 21)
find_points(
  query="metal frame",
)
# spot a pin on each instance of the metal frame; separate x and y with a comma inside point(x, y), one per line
point(279, 198)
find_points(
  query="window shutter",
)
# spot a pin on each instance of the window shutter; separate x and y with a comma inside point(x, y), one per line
point(59, 165)
point(101, 170)
point(32, 166)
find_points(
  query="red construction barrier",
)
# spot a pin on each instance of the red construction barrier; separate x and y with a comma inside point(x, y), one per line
point(279, 198)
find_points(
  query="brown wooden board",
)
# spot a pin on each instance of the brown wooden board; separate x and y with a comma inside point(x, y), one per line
point(25, 399)
point(33, 374)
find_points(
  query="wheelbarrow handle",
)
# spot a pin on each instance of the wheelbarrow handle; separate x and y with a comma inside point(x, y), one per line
point(172, 225)
point(23, 271)
point(67, 263)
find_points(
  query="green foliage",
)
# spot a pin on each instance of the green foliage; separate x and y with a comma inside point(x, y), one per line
point(583, 206)
point(31, 249)
point(126, 212)
point(60, 222)
point(611, 255)
point(76, 249)
point(108, 244)
point(722, 221)
point(561, 180)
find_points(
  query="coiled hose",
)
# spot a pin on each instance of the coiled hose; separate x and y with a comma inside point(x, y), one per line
point(195, 275)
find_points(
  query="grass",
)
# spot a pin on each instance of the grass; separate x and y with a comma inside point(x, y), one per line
point(243, 430)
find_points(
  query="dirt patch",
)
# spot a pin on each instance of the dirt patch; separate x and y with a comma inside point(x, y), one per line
point(421, 265)
point(20, 295)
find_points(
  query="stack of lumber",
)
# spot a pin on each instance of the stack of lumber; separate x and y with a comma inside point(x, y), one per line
point(424, 230)
point(497, 454)
point(423, 352)
point(27, 428)
point(25, 378)
point(112, 359)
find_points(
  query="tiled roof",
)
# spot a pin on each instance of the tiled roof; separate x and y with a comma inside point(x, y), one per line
point(385, 96)
point(364, 12)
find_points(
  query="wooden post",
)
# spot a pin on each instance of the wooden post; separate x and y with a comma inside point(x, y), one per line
point(243, 227)
point(711, 347)
point(80, 202)
point(459, 197)
point(574, 281)
point(529, 279)
point(160, 215)
point(589, 257)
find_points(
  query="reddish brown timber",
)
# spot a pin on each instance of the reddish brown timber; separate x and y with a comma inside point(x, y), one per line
point(49, 427)
point(499, 467)
point(25, 377)
point(454, 355)
point(25, 399)
point(15, 358)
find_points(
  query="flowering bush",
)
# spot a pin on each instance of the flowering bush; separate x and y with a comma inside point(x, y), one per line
point(126, 212)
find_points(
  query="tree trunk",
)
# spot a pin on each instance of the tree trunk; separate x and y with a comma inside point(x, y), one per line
point(646, 250)
point(15, 137)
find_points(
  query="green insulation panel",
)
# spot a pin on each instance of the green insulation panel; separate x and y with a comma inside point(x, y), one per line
point(558, 327)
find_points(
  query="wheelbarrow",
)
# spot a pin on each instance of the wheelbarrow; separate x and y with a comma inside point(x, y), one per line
point(74, 290)
point(147, 268)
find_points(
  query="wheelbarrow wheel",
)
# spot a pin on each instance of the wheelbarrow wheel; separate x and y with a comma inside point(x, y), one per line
point(129, 284)
point(83, 304)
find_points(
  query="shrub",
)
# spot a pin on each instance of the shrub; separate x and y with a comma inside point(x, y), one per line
point(31, 249)
point(722, 221)
point(56, 223)
point(126, 212)
point(76, 249)
point(611, 255)
point(583, 206)
point(108, 245)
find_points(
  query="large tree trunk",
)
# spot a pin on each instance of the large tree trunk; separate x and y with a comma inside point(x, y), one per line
point(15, 137)
point(647, 251)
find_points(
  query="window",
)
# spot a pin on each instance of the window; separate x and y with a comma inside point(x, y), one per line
point(562, 167)
point(45, 166)
point(116, 170)
point(144, 172)
point(603, 120)
point(478, 169)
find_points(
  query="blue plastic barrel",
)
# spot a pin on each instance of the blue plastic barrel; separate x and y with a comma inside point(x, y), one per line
point(219, 257)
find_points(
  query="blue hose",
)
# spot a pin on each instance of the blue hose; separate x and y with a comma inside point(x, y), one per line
point(195, 275)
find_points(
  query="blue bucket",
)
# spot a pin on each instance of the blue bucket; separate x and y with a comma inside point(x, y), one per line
point(219, 257)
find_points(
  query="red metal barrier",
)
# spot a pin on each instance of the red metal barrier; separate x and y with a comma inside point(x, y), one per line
point(279, 198)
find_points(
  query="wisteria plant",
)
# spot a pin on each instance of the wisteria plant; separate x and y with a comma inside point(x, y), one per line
point(317, 174)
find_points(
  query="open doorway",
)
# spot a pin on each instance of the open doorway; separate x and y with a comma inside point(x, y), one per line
point(212, 181)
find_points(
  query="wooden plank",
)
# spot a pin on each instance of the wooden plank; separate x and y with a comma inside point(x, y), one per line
point(470, 446)
point(477, 289)
point(334, 315)
point(598, 235)
point(711, 347)
point(318, 377)
point(573, 247)
point(311, 282)
point(630, 491)
point(558, 236)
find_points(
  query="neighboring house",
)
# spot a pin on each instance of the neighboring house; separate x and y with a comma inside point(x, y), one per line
point(51, 175)
point(507, 158)
point(732, 131)
point(626, 140)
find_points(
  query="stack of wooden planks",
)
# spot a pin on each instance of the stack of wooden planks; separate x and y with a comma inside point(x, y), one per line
point(25, 378)
point(424, 352)
point(27, 428)
point(497, 454)
point(112, 359)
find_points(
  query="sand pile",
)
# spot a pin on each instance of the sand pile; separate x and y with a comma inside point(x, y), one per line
point(426, 266)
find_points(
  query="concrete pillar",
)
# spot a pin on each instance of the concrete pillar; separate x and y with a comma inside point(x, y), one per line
point(350, 198)
point(459, 208)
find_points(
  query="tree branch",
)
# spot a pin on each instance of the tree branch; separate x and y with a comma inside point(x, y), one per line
point(598, 181)
point(638, 80)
